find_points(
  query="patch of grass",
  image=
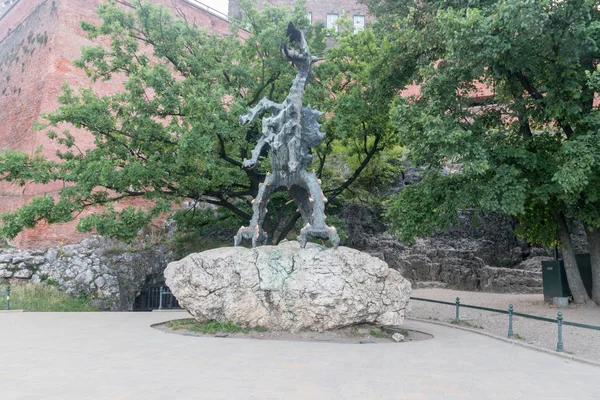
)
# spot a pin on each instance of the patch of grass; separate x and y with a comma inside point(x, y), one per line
point(466, 324)
point(376, 333)
point(518, 337)
point(403, 332)
point(211, 327)
point(52, 282)
point(470, 325)
point(118, 252)
point(45, 298)
point(357, 332)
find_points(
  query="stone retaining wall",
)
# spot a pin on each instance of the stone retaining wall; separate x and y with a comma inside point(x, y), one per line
point(108, 271)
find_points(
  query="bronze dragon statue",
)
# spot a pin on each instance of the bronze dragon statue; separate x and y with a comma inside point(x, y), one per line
point(290, 132)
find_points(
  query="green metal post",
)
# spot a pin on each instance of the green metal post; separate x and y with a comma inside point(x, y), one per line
point(510, 321)
point(8, 297)
point(160, 299)
point(457, 319)
point(559, 344)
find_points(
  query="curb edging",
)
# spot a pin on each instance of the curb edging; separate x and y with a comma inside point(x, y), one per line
point(506, 340)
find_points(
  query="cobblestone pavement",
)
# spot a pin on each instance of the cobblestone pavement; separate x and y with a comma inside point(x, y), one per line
point(118, 356)
point(584, 343)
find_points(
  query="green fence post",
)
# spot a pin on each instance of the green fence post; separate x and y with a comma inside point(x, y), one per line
point(559, 344)
point(510, 321)
point(8, 297)
point(160, 299)
point(457, 319)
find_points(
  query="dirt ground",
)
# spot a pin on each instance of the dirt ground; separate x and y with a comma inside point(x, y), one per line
point(584, 343)
point(359, 334)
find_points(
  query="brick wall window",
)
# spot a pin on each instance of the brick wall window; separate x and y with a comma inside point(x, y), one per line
point(331, 20)
point(359, 23)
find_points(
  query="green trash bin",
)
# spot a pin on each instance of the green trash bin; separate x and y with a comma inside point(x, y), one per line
point(555, 278)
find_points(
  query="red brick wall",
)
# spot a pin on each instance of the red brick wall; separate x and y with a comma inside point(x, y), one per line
point(27, 35)
point(318, 8)
point(39, 39)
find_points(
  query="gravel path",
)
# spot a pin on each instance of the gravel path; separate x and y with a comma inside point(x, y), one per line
point(584, 343)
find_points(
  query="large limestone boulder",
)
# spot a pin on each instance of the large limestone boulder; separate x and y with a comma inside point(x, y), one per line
point(289, 288)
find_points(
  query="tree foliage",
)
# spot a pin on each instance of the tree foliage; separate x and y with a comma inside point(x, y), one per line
point(505, 120)
point(172, 133)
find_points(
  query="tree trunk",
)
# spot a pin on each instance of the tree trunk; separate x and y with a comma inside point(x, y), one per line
point(593, 237)
point(578, 291)
point(288, 227)
point(269, 229)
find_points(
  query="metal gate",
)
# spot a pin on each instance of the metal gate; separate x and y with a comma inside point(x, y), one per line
point(155, 298)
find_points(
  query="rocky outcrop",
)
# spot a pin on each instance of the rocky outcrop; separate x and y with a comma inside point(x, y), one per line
point(427, 261)
point(507, 280)
point(108, 271)
point(479, 253)
point(533, 264)
point(288, 288)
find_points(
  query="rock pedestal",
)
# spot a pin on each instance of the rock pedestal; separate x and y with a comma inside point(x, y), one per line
point(289, 288)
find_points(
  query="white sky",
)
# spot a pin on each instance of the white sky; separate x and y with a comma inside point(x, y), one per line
point(220, 5)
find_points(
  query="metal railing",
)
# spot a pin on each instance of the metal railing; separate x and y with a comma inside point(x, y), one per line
point(155, 298)
point(162, 293)
point(7, 293)
point(511, 312)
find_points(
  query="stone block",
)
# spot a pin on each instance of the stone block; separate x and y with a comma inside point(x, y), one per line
point(6, 273)
point(560, 301)
point(37, 260)
point(23, 274)
point(17, 259)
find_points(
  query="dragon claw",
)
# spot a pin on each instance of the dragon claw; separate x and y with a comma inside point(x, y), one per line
point(255, 234)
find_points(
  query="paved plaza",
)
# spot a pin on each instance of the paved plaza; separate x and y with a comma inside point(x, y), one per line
point(118, 356)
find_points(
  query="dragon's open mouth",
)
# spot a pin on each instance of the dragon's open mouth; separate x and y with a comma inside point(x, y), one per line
point(299, 48)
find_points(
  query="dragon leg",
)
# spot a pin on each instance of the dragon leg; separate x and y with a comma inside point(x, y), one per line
point(317, 200)
point(255, 232)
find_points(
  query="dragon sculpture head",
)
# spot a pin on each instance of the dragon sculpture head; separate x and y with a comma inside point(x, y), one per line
point(299, 53)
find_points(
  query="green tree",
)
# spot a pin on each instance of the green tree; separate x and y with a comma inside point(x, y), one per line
point(172, 134)
point(505, 120)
